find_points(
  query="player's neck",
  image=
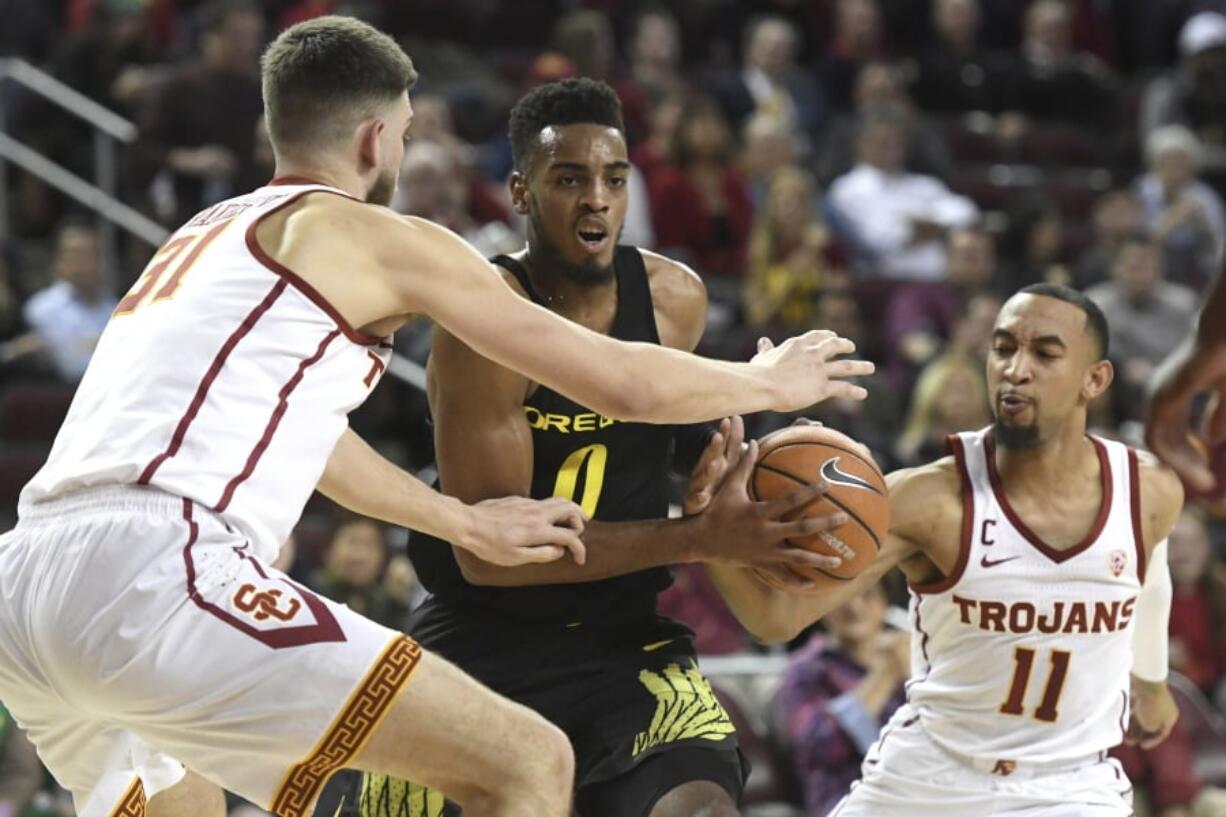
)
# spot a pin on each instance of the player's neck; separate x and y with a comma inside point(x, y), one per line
point(563, 295)
point(1050, 467)
point(323, 173)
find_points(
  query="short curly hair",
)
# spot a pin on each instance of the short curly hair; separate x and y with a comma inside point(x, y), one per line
point(566, 102)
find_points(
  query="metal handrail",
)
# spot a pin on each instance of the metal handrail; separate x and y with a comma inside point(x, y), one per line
point(92, 196)
point(68, 98)
point(109, 127)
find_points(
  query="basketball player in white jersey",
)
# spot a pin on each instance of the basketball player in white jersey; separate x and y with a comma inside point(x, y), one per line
point(1039, 593)
point(142, 631)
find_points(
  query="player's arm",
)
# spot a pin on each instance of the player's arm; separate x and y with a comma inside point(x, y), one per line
point(430, 270)
point(923, 506)
point(1197, 366)
point(1153, 711)
point(510, 531)
point(484, 448)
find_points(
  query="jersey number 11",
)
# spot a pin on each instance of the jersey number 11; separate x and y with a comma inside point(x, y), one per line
point(1023, 663)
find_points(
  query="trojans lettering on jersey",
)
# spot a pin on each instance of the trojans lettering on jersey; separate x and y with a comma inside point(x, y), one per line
point(1025, 652)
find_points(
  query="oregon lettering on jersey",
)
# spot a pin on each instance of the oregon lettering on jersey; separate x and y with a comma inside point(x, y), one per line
point(616, 471)
point(566, 423)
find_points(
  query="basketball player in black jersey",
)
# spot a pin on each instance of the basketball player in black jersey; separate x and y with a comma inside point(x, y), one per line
point(582, 645)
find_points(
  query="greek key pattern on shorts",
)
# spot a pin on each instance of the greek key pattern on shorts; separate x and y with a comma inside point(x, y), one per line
point(350, 730)
point(686, 709)
point(133, 802)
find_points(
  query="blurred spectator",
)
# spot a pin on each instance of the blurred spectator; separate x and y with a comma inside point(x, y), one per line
point(770, 81)
point(1148, 317)
point(109, 60)
point(836, 693)
point(921, 317)
point(29, 31)
point(695, 601)
point(68, 317)
point(21, 774)
point(873, 421)
point(1033, 244)
point(10, 301)
point(700, 205)
point(201, 122)
point(655, 62)
point(857, 39)
point(353, 572)
point(1198, 610)
point(652, 154)
point(1057, 82)
point(585, 37)
point(766, 146)
point(1193, 93)
point(950, 396)
point(1116, 216)
point(879, 88)
point(972, 333)
point(788, 252)
point(895, 219)
point(434, 185)
point(1183, 213)
point(956, 74)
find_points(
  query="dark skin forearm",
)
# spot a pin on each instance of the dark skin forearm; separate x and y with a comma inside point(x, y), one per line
point(613, 549)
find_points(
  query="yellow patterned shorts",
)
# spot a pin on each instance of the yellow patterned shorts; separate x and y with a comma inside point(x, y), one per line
point(622, 698)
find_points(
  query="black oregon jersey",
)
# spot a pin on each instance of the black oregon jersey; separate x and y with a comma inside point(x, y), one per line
point(615, 471)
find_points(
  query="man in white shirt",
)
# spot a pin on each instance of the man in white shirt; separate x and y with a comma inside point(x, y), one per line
point(896, 220)
point(68, 317)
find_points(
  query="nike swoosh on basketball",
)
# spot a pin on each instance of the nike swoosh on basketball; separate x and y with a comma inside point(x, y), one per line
point(833, 474)
point(986, 562)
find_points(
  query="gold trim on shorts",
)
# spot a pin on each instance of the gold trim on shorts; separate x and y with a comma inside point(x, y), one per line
point(133, 802)
point(350, 730)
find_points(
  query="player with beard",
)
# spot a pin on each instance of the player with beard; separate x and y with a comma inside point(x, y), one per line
point(582, 644)
point(1035, 556)
point(143, 631)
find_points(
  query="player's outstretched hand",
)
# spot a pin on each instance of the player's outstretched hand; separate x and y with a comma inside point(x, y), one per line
point(808, 369)
point(515, 530)
point(1189, 371)
point(733, 528)
point(1154, 713)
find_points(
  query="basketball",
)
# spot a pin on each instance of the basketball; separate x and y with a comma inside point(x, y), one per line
point(800, 455)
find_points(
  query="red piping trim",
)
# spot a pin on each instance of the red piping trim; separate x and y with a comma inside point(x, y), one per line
point(1134, 500)
point(325, 629)
point(968, 523)
point(286, 274)
point(274, 422)
point(206, 382)
point(1104, 509)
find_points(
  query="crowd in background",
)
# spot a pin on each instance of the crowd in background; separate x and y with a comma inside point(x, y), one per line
point(887, 169)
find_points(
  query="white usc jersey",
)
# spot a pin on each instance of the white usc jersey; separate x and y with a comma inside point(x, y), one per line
point(1024, 652)
point(222, 377)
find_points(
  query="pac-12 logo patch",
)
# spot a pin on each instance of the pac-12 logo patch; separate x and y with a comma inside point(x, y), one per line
point(1118, 561)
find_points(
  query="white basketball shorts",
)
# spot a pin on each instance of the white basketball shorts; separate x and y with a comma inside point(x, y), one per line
point(139, 636)
point(906, 774)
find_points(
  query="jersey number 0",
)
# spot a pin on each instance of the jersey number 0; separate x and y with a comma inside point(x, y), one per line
point(590, 461)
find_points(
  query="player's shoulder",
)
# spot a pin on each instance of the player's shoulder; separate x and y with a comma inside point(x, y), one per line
point(925, 498)
point(1161, 496)
point(678, 296)
point(670, 275)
